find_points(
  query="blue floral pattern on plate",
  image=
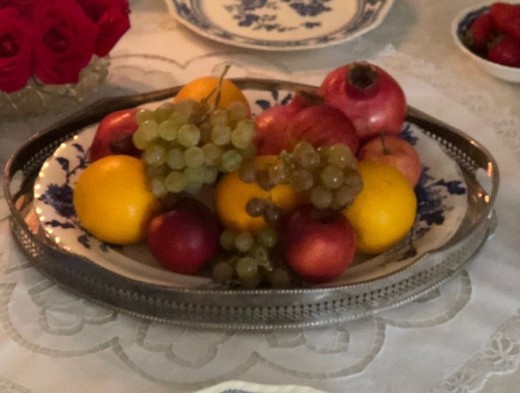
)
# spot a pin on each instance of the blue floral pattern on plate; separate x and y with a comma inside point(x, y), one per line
point(441, 192)
point(280, 24)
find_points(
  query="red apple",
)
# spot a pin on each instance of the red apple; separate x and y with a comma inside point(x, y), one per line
point(114, 135)
point(322, 124)
point(305, 118)
point(184, 238)
point(271, 127)
point(318, 244)
point(394, 151)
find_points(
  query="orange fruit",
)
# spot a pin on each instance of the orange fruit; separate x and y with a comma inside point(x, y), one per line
point(200, 88)
point(232, 195)
point(384, 211)
point(113, 201)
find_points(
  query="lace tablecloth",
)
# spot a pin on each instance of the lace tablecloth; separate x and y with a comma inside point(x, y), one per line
point(465, 337)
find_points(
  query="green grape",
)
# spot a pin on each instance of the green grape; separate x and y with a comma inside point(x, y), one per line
point(261, 255)
point(175, 182)
point(247, 172)
point(210, 174)
point(244, 241)
point(222, 272)
point(272, 213)
point(280, 278)
point(343, 196)
point(243, 134)
point(144, 114)
point(237, 111)
point(157, 171)
point(194, 177)
point(267, 237)
point(352, 178)
point(301, 180)
point(148, 129)
point(167, 130)
point(175, 159)
point(212, 153)
point(255, 207)
point(139, 140)
point(305, 155)
point(188, 135)
point(248, 153)
point(219, 117)
point(205, 132)
point(340, 156)
point(278, 173)
point(321, 197)
point(164, 111)
point(246, 268)
point(179, 116)
point(194, 157)
point(158, 187)
point(187, 107)
point(251, 282)
point(264, 180)
point(230, 161)
point(227, 239)
point(221, 135)
point(154, 155)
point(331, 177)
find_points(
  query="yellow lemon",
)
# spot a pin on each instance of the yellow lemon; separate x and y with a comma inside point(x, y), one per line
point(200, 88)
point(113, 201)
point(384, 211)
point(232, 195)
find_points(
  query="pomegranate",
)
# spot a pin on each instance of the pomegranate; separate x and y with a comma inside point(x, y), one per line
point(369, 97)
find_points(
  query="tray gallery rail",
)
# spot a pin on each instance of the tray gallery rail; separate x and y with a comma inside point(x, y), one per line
point(258, 309)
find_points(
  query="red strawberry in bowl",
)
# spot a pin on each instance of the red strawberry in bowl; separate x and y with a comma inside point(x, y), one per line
point(506, 18)
point(506, 52)
point(481, 32)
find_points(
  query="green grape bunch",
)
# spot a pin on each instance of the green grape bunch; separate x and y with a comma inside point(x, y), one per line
point(187, 144)
point(326, 174)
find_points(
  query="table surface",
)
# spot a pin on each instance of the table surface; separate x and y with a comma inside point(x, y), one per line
point(465, 337)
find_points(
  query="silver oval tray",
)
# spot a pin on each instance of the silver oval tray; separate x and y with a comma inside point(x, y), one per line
point(260, 308)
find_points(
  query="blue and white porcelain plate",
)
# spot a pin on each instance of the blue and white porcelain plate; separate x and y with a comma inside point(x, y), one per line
point(442, 196)
point(280, 24)
point(249, 387)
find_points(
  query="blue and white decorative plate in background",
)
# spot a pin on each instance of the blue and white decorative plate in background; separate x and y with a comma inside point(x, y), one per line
point(249, 387)
point(442, 205)
point(280, 24)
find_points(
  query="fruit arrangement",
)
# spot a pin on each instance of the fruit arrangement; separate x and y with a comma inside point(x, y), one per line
point(495, 34)
point(287, 197)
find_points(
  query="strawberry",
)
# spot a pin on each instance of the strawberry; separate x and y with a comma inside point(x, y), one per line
point(481, 32)
point(506, 18)
point(505, 51)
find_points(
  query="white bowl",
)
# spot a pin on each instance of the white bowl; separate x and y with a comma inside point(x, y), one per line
point(459, 27)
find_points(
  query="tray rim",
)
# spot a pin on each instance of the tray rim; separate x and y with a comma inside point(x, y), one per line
point(98, 109)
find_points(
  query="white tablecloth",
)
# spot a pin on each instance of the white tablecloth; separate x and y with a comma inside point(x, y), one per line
point(464, 338)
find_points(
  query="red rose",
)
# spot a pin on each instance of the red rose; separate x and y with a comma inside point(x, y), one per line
point(15, 50)
point(23, 6)
point(64, 40)
point(112, 20)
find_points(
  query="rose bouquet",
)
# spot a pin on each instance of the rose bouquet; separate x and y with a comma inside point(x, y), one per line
point(50, 42)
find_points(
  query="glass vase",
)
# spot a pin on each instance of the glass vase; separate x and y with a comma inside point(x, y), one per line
point(38, 98)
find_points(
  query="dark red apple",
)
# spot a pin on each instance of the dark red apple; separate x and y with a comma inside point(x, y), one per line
point(318, 244)
point(271, 127)
point(305, 118)
point(114, 135)
point(321, 125)
point(184, 238)
point(394, 151)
